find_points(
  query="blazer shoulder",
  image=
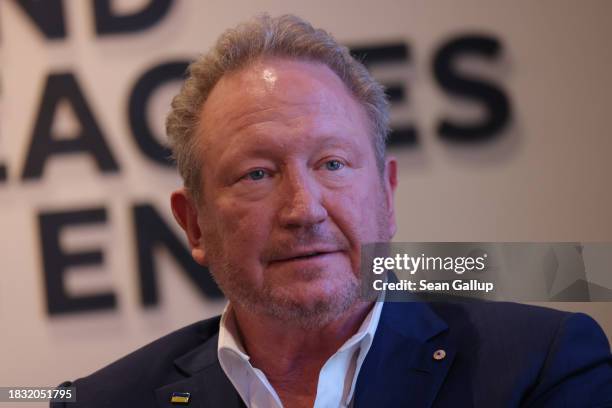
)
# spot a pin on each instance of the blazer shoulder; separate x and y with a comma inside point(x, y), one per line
point(145, 368)
point(549, 357)
point(165, 348)
point(578, 367)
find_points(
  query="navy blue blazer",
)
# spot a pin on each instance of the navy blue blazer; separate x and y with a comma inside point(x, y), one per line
point(494, 355)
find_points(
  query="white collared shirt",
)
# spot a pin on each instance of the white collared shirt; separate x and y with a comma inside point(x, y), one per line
point(337, 378)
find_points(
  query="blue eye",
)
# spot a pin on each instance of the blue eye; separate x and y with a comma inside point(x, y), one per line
point(256, 174)
point(334, 165)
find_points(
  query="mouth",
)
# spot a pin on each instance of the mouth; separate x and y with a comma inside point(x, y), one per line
point(310, 255)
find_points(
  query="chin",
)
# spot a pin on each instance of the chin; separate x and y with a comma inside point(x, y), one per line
point(311, 305)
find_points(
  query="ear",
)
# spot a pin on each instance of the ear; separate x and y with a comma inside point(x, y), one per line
point(390, 181)
point(186, 214)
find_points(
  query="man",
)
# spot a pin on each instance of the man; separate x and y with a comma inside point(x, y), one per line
point(279, 135)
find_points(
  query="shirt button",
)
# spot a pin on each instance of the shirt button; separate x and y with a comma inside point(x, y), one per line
point(439, 354)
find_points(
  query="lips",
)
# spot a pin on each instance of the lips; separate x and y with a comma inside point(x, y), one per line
point(301, 255)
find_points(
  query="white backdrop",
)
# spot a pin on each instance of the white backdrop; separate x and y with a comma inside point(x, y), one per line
point(546, 177)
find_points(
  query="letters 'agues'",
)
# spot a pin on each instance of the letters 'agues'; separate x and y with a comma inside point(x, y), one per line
point(48, 18)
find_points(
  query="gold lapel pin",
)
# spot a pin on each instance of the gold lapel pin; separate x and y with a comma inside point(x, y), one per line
point(180, 398)
point(439, 354)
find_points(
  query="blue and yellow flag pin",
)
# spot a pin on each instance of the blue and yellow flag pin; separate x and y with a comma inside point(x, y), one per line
point(180, 398)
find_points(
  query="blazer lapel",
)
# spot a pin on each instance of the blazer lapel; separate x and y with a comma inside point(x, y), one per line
point(205, 381)
point(408, 360)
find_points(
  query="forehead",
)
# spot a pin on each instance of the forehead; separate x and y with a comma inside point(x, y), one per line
point(279, 93)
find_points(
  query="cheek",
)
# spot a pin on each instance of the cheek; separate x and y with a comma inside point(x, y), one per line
point(359, 212)
point(347, 213)
point(244, 227)
point(350, 216)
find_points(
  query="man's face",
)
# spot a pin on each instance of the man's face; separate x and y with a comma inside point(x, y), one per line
point(291, 190)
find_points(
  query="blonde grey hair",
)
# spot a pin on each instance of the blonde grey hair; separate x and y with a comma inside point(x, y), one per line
point(285, 36)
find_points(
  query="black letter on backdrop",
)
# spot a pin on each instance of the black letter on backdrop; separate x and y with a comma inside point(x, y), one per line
point(388, 54)
point(56, 262)
point(493, 98)
point(107, 22)
point(139, 98)
point(47, 15)
point(90, 139)
point(152, 232)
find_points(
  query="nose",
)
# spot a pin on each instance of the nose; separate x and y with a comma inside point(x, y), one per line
point(302, 204)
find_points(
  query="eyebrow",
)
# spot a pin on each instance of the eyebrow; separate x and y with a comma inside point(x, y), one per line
point(275, 149)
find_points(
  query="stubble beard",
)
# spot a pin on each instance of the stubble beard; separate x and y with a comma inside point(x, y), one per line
point(278, 303)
